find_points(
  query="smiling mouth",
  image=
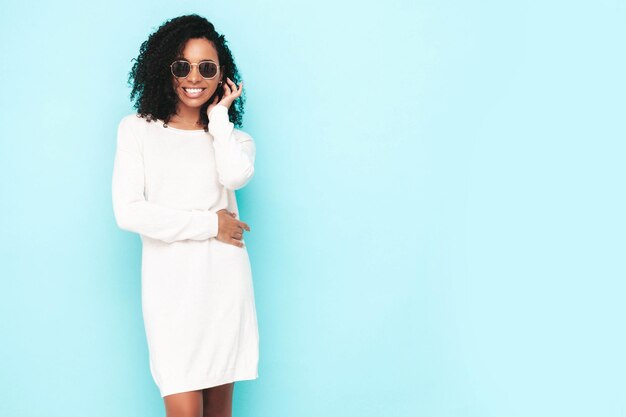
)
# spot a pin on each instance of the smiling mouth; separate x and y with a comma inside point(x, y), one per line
point(193, 92)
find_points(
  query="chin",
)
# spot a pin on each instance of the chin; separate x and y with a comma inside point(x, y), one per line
point(189, 102)
point(193, 103)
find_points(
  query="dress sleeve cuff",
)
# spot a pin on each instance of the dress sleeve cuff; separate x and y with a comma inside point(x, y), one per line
point(218, 108)
point(207, 220)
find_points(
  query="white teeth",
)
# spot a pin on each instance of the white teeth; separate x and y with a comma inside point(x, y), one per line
point(194, 90)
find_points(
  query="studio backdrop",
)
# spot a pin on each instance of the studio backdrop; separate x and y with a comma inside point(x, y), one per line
point(437, 212)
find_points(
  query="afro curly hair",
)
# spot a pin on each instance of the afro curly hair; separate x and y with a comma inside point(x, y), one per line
point(151, 79)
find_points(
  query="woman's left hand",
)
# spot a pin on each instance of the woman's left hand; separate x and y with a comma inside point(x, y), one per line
point(231, 92)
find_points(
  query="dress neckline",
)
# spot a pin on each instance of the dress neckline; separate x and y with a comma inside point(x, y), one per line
point(175, 129)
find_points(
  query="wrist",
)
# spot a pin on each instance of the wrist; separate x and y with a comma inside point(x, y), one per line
point(217, 108)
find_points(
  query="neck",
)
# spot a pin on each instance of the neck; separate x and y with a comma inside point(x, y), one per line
point(186, 115)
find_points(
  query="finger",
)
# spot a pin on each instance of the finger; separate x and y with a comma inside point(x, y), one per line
point(227, 89)
point(232, 214)
point(232, 85)
point(236, 242)
point(236, 89)
point(245, 226)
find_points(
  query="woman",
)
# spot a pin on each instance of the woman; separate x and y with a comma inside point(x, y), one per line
point(177, 164)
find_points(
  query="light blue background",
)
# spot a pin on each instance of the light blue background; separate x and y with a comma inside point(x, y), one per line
point(437, 212)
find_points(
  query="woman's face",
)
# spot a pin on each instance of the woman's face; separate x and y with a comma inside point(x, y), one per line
point(197, 50)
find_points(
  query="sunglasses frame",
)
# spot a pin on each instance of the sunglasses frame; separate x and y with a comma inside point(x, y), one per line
point(191, 69)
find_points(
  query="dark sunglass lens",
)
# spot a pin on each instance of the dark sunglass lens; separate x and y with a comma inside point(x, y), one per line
point(208, 69)
point(180, 68)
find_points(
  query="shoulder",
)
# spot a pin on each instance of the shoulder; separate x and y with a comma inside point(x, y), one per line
point(134, 124)
point(131, 129)
point(127, 123)
point(132, 120)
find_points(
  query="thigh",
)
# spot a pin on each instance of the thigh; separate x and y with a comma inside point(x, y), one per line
point(184, 404)
point(218, 400)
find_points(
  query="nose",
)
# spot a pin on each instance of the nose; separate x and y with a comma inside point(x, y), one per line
point(194, 75)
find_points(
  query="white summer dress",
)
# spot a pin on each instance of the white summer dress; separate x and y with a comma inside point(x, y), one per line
point(197, 292)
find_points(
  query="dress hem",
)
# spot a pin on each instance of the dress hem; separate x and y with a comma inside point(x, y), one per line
point(209, 383)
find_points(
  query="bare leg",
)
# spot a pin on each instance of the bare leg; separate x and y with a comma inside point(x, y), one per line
point(184, 404)
point(218, 401)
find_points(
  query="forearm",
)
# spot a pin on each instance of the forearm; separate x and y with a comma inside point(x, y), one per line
point(164, 223)
point(234, 151)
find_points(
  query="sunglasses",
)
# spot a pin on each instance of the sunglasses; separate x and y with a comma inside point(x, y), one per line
point(207, 69)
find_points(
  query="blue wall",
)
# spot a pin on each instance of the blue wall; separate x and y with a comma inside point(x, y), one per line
point(437, 213)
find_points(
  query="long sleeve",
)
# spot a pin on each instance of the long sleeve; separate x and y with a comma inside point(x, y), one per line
point(133, 213)
point(235, 150)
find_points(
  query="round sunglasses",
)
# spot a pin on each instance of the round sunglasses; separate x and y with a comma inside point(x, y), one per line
point(207, 69)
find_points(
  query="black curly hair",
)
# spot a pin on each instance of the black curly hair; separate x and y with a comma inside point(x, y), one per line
point(151, 78)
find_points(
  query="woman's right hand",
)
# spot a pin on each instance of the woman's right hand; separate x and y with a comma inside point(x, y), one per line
point(230, 230)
